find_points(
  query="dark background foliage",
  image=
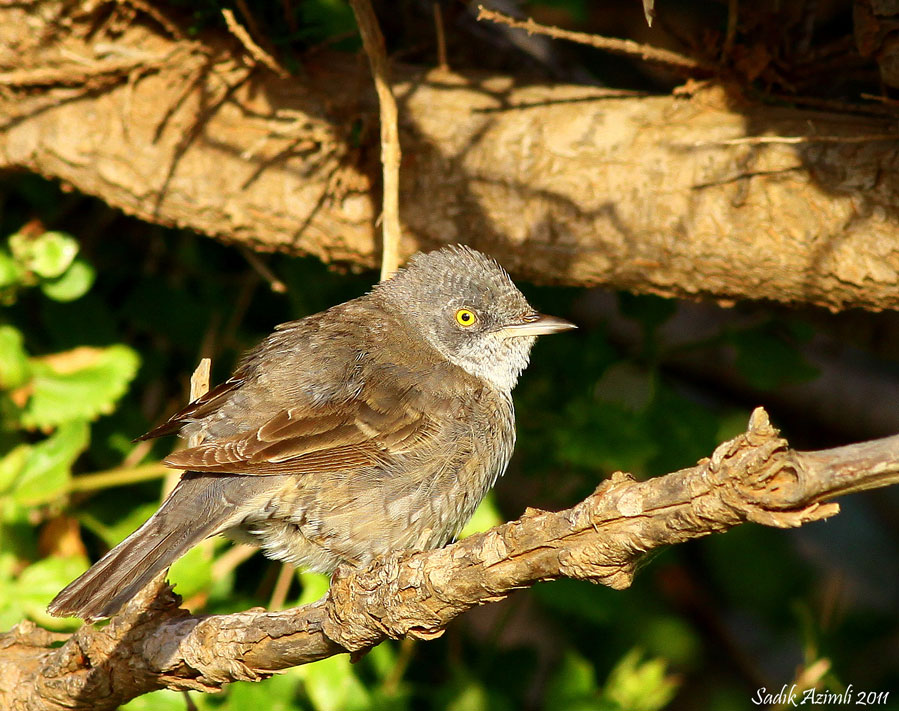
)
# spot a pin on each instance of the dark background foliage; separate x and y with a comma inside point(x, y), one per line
point(645, 386)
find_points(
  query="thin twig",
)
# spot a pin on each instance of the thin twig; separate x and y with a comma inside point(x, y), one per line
point(164, 22)
point(649, 11)
point(199, 386)
point(120, 476)
point(760, 140)
point(231, 558)
point(373, 42)
point(288, 16)
point(733, 14)
point(137, 454)
point(263, 270)
point(189, 702)
point(74, 75)
point(441, 37)
point(256, 52)
point(248, 18)
point(282, 587)
point(882, 99)
point(609, 44)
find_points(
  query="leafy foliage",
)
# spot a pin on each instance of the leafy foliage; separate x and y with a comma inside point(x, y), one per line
point(46, 405)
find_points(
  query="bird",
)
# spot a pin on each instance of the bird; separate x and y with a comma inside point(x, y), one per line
point(375, 426)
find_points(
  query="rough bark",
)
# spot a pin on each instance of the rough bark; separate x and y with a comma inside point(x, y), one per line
point(152, 644)
point(566, 184)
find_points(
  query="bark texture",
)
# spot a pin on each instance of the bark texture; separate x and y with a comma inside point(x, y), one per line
point(565, 184)
point(152, 644)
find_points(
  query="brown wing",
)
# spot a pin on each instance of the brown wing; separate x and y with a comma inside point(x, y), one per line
point(369, 430)
point(198, 409)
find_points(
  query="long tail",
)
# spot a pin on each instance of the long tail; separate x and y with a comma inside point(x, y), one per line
point(200, 506)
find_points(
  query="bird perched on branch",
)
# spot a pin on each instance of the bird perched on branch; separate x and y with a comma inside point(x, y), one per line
point(374, 426)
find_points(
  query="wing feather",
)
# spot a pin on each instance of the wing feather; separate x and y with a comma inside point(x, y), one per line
point(348, 435)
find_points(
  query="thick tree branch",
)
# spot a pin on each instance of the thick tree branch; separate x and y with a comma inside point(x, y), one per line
point(567, 184)
point(152, 644)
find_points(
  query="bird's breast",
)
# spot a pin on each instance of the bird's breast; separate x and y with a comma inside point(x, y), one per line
point(421, 500)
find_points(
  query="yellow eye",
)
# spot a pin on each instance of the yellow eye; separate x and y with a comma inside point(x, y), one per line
point(466, 317)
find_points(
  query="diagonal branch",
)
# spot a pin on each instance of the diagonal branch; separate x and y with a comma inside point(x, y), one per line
point(152, 644)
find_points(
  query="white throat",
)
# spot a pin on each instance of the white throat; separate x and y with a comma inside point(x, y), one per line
point(499, 360)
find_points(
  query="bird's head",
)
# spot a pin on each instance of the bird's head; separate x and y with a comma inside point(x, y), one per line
point(465, 305)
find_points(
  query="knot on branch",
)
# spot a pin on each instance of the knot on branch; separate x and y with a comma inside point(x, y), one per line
point(607, 560)
point(393, 597)
point(761, 478)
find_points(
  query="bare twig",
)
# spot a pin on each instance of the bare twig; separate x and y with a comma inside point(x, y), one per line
point(733, 15)
point(231, 558)
point(118, 477)
point(248, 17)
point(256, 52)
point(649, 11)
point(441, 37)
point(74, 75)
point(761, 140)
point(152, 644)
point(373, 42)
point(261, 268)
point(149, 9)
point(288, 16)
point(609, 44)
point(199, 386)
point(282, 587)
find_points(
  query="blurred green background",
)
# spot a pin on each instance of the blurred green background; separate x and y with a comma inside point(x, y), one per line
point(103, 318)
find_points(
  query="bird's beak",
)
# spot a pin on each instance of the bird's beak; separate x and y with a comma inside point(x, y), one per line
point(537, 325)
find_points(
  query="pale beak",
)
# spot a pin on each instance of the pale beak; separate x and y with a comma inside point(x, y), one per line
point(537, 325)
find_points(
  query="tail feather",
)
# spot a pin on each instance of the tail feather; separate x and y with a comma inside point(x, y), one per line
point(199, 507)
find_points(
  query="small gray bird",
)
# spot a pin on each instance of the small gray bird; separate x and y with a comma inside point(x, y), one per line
point(377, 425)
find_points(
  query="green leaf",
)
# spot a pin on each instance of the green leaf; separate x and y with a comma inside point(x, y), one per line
point(48, 255)
point(276, 694)
point(48, 468)
point(11, 272)
point(466, 693)
point(192, 572)
point(322, 19)
point(130, 520)
point(163, 700)
point(582, 602)
point(332, 685)
point(572, 681)
point(14, 368)
point(74, 283)
point(473, 697)
point(671, 637)
point(485, 516)
point(604, 436)
point(314, 586)
point(638, 685)
point(82, 383)
point(11, 465)
point(18, 537)
point(29, 595)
